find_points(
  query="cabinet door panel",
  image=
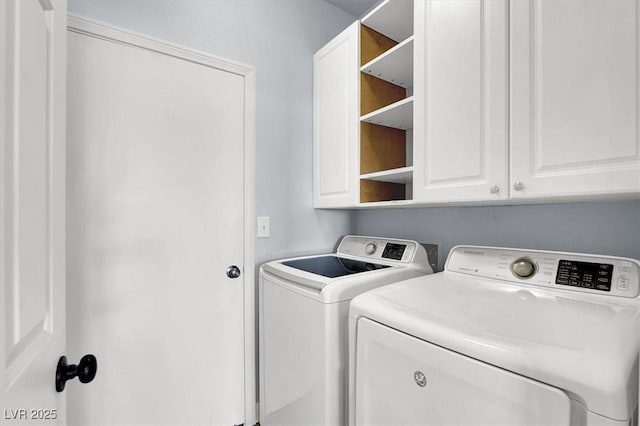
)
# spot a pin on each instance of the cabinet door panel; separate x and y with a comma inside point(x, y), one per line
point(574, 97)
point(460, 101)
point(335, 121)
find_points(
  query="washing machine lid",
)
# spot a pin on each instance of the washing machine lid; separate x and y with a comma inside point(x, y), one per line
point(331, 266)
point(359, 264)
point(578, 343)
point(328, 289)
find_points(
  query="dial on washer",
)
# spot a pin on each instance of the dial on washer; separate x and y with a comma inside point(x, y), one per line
point(370, 248)
point(523, 267)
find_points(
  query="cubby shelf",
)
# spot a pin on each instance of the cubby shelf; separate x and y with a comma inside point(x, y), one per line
point(386, 78)
point(398, 115)
point(393, 18)
point(402, 175)
point(394, 65)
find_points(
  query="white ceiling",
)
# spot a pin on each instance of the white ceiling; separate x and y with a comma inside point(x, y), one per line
point(354, 7)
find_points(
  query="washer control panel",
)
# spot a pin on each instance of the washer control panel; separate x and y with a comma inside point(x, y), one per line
point(587, 273)
point(378, 248)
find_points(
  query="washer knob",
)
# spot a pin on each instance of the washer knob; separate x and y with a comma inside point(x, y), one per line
point(523, 267)
point(370, 248)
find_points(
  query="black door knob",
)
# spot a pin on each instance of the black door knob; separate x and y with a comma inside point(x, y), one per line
point(85, 371)
point(233, 271)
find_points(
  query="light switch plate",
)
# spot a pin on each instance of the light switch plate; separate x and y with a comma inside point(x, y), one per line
point(264, 227)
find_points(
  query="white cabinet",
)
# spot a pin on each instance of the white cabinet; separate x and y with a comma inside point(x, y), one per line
point(461, 101)
point(574, 98)
point(480, 101)
point(336, 120)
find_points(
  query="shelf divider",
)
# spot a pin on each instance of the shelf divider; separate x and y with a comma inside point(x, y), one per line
point(395, 65)
point(398, 115)
point(402, 175)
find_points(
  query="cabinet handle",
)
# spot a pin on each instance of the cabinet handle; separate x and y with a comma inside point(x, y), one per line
point(518, 186)
point(494, 189)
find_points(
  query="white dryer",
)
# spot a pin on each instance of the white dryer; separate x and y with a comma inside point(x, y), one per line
point(303, 316)
point(501, 337)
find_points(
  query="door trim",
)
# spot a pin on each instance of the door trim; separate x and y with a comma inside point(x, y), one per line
point(92, 28)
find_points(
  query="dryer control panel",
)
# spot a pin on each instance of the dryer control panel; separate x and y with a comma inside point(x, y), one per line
point(587, 273)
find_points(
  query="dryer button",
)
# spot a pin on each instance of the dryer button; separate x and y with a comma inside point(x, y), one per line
point(623, 283)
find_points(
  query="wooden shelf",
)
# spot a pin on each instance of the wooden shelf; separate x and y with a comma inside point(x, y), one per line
point(394, 65)
point(393, 18)
point(403, 175)
point(374, 191)
point(398, 115)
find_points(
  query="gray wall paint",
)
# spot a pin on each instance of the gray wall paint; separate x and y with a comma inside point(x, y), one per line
point(278, 37)
point(611, 228)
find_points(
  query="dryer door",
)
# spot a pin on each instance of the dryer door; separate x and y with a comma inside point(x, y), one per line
point(402, 380)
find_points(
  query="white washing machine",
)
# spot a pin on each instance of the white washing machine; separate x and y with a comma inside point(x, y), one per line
point(303, 317)
point(501, 337)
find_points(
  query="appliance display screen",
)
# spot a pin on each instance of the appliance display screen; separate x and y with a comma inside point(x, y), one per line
point(596, 276)
point(394, 251)
point(332, 266)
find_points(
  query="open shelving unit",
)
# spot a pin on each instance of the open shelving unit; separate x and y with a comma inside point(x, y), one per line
point(386, 103)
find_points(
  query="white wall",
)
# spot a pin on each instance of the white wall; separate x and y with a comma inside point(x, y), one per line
point(278, 37)
point(602, 228)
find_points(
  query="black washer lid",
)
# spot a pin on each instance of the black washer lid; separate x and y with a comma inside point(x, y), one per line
point(332, 266)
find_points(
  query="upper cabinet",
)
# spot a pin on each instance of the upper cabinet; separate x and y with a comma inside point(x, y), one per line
point(479, 102)
point(461, 101)
point(336, 121)
point(386, 103)
point(574, 98)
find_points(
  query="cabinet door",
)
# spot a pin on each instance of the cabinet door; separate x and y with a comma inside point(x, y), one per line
point(336, 121)
point(460, 122)
point(574, 98)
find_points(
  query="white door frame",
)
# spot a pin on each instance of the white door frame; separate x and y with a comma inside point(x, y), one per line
point(100, 30)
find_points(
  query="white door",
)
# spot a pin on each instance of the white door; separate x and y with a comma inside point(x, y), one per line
point(32, 223)
point(155, 207)
point(461, 109)
point(575, 86)
point(336, 121)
